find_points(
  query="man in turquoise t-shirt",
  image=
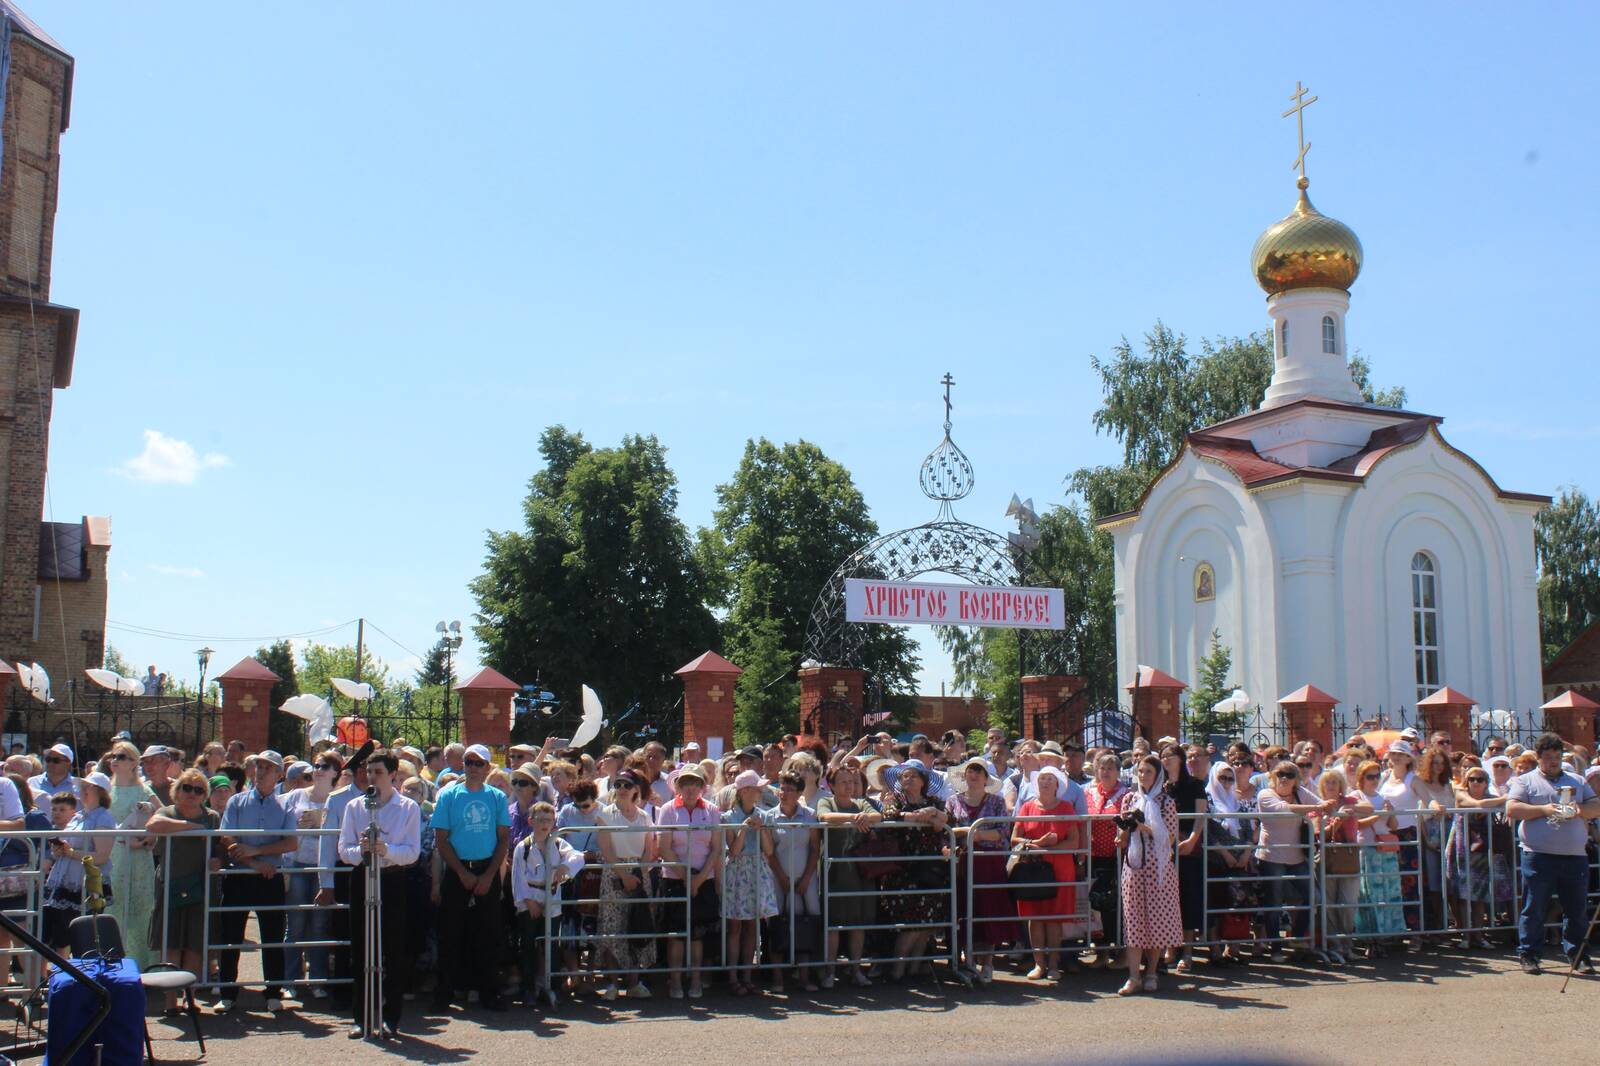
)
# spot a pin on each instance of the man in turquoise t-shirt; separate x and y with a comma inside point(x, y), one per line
point(472, 826)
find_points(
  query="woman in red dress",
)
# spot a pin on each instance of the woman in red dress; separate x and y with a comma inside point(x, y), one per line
point(1052, 841)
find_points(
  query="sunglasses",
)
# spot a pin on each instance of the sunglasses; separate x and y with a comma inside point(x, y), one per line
point(1303, 765)
point(119, 757)
point(521, 782)
point(1286, 775)
point(1370, 777)
point(474, 762)
point(194, 790)
point(1228, 778)
point(54, 758)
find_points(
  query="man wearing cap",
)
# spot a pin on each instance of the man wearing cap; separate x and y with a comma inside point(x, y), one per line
point(156, 766)
point(472, 827)
point(57, 777)
point(259, 884)
point(1552, 806)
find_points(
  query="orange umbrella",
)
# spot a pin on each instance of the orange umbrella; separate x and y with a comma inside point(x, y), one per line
point(1378, 739)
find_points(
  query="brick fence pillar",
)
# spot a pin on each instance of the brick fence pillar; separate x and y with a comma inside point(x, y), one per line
point(1308, 712)
point(1450, 711)
point(246, 704)
point(1157, 708)
point(822, 683)
point(486, 711)
point(1572, 716)
point(708, 704)
point(1042, 694)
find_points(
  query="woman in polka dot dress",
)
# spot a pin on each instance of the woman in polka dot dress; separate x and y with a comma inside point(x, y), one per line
point(1152, 919)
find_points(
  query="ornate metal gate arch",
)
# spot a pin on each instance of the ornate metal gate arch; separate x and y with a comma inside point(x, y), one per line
point(945, 545)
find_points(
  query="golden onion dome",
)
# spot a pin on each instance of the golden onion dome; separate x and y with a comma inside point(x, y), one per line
point(1306, 250)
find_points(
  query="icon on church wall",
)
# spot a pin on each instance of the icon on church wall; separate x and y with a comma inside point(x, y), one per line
point(1205, 583)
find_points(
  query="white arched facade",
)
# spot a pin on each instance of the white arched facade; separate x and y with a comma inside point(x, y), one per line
point(1313, 577)
point(1426, 497)
point(1202, 517)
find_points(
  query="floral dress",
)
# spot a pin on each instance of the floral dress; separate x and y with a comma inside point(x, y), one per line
point(1477, 859)
point(133, 878)
point(748, 891)
point(912, 893)
point(992, 907)
point(1380, 913)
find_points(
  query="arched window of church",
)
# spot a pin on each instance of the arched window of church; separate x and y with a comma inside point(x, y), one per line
point(1330, 335)
point(1425, 623)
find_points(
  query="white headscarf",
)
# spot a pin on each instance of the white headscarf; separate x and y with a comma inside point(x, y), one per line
point(1160, 839)
point(1223, 798)
point(1061, 782)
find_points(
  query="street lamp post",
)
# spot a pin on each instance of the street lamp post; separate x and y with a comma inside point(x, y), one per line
point(203, 656)
point(450, 640)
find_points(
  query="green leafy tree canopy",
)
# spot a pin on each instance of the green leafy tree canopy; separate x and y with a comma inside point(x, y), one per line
point(601, 585)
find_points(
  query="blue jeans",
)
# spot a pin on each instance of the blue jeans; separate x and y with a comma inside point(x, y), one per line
point(1566, 877)
point(1282, 895)
point(305, 925)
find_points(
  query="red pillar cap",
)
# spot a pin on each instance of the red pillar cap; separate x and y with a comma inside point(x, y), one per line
point(709, 663)
point(248, 669)
point(1150, 677)
point(1571, 701)
point(489, 680)
point(1447, 697)
point(1308, 694)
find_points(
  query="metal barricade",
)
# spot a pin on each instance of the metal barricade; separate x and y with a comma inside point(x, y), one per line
point(799, 938)
point(651, 873)
point(227, 919)
point(1077, 922)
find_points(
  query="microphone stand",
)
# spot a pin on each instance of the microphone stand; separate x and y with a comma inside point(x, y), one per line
point(372, 864)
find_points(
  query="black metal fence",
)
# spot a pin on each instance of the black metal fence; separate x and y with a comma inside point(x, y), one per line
point(90, 719)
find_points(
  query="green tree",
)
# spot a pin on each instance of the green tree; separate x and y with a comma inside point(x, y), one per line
point(986, 664)
point(783, 524)
point(113, 661)
point(435, 665)
point(601, 585)
point(285, 732)
point(1361, 371)
point(1566, 539)
point(1211, 687)
point(767, 696)
point(319, 662)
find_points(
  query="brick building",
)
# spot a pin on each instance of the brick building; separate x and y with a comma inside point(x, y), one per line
point(1576, 667)
point(52, 576)
point(935, 714)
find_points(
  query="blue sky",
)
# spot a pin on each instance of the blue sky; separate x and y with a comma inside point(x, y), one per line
point(346, 261)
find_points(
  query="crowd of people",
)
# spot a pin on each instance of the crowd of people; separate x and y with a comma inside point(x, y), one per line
point(555, 871)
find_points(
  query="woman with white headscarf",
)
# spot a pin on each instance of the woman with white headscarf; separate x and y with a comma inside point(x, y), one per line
point(1152, 920)
point(1036, 835)
point(1229, 858)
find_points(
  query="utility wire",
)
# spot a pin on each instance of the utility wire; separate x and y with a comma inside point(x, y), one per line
point(166, 634)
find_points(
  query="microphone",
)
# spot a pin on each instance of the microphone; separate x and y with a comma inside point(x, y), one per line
point(372, 798)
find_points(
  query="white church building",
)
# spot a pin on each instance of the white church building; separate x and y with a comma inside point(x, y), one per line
point(1331, 542)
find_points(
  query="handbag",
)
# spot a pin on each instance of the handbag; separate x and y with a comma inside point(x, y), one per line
point(875, 846)
point(186, 891)
point(640, 920)
point(1389, 842)
point(1030, 878)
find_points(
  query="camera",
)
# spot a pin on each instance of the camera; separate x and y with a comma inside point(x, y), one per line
point(1130, 821)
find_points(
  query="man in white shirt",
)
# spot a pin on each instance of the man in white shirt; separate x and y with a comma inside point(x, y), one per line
point(399, 822)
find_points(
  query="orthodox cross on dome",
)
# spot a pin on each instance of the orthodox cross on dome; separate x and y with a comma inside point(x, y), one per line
point(1299, 113)
point(946, 473)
